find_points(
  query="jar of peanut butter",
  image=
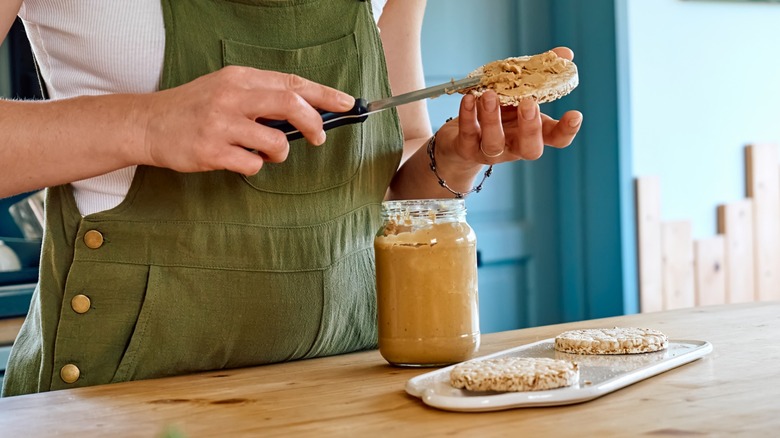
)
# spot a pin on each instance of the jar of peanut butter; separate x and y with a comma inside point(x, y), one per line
point(426, 273)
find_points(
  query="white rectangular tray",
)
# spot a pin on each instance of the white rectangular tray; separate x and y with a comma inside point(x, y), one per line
point(599, 375)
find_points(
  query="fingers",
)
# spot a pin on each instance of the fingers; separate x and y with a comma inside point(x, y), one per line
point(493, 141)
point(468, 125)
point(485, 137)
point(527, 141)
point(207, 123)
point(561, 133)
point(240, 160)
point(317, 95)
point(286, 105)
point(271, 144)
point(281, 96)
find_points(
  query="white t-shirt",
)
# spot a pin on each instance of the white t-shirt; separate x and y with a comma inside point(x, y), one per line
point(92, 47)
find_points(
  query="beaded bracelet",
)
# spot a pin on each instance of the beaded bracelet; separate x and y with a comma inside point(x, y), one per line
point(432, 155)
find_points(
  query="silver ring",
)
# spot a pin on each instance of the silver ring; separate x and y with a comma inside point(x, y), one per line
point(488, 155)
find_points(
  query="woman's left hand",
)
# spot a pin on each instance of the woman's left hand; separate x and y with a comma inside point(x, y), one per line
point(486, 133)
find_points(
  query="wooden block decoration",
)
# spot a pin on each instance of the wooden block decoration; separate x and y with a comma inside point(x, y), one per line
point(763, 187)
point(735, 222)
point(648, 226)
point(677, 257)
point(710, 270)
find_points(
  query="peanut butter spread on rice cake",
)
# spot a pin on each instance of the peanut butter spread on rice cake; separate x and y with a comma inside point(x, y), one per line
point(515, 76)
point(544, 77)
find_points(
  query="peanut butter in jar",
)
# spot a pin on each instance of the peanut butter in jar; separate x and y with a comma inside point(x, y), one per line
point(426, 268)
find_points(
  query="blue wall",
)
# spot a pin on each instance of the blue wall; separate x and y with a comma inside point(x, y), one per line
point(704, 82)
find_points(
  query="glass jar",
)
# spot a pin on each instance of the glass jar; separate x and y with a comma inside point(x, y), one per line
point(426, 272)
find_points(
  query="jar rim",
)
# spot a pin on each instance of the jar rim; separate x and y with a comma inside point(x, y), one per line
point(424, 207)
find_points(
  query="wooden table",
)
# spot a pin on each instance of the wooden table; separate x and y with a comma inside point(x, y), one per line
point(733, 390)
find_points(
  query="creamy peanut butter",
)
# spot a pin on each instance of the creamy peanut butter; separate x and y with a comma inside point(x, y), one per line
point(427, 303)
point(515, 77)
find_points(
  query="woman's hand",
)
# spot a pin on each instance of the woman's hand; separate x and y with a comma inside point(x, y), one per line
point(202, 125)
point(486, 133)
point(207, 124)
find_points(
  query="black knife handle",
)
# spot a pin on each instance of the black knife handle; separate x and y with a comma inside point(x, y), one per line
point(330, 120)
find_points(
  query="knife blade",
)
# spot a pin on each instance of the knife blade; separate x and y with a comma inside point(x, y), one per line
point(360, 112)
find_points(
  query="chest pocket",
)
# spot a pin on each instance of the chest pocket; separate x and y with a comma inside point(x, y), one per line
point(309, 169)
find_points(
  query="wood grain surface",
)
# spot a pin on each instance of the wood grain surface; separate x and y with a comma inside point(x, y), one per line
point(677, 255)
point(733, 391)
point(650, 258)
point(710, 265)
point(735, 222)
point(763, 186)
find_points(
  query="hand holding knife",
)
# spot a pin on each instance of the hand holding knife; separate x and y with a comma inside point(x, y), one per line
point(360, 112)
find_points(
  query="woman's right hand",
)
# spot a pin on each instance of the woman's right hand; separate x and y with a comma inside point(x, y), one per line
point(209, 123)
point(206, 124)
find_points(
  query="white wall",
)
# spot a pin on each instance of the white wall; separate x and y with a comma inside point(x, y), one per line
point(704, 81)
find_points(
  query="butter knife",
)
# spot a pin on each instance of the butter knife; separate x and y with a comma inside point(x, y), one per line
point(360, 112)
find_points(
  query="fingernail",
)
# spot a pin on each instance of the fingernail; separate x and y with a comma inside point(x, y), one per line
point(489, 102)
point(321, 138)
point(468, 102)
point(528, 108)
point(575, 121)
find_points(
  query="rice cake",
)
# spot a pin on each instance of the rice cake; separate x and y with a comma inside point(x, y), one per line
point(615, 362)
point(544, 77)
point(514, 374)
point(616, 340)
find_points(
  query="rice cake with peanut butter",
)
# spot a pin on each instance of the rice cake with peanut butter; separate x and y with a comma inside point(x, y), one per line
point(616, 340)
point(544, 77)
point(515, 374)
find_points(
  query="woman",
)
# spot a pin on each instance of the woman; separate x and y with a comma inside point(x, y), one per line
point(169, 247)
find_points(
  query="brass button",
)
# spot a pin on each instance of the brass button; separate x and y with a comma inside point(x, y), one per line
point(93, 239)
point(70, 373)
point(80, 303)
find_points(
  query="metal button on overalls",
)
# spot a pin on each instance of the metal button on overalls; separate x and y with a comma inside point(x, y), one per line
point(70, 373)
point(80, 303)
point(93, 239)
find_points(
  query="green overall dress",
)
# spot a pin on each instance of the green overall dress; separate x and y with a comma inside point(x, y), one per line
point(215, 270)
